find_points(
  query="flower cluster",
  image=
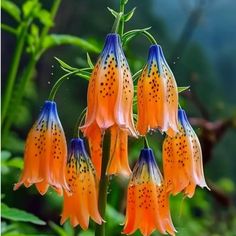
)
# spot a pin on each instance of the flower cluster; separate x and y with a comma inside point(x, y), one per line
point(110, 109)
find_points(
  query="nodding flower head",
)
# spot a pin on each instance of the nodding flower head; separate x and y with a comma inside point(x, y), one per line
point(82, 203)
point(182, 159)
point(147, 201)
point(157, 95)
point(110, 90)
point(110, 106)
point(45, 153)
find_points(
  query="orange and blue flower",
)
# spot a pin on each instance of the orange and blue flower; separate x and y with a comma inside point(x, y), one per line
point(110, 90)
point(157, 95)
point(82, 202)
point(110, 100)
point(45, 153)
point(182, 159)
point(147, 201)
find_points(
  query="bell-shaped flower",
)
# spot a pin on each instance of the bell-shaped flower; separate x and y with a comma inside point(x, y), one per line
point(110, 90)
point(110, 103)
point(147, 201)
point(45, 153)
point(182, 159)
point(82, 203)
point(157, 95)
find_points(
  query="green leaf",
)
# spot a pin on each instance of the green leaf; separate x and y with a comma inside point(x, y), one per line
point(114, 13)
point(19, 215)
point(129, 15)
point(12, 9)
point(65, 65)
point(5, 155)
point(114, 215)
point(68, 228)
point(16, 162)
point(58, 40)
point(87, 233)
point(9, 29)
point(59, 230)
point(181, 89)
point(45, 17)
point(35, 31)
point(84, 74)
point(33, 39)
point(31, 7)
point(89, 61)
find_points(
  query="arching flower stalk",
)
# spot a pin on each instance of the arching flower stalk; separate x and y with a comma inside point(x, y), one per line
point(82, 203)
point(157, 95)
point(147, 200)
point(110, 98)
point(45, 153)
point(182, 159)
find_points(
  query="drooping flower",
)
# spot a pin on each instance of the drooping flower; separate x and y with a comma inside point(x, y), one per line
point(147, 200)
point(157, 95)
point(182, 159)
point(110, 90)
point(45, 153)
point(118, 162)
point(110, 102)
point(82, 203)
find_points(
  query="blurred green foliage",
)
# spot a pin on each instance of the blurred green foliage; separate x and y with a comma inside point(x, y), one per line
point(83, 25)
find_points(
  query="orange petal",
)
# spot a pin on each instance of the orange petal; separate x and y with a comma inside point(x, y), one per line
point(118, 162)
point(32, 158)
point(197, 161)
point(94, 135)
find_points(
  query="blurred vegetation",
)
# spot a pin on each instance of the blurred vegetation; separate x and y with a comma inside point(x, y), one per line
point(68, 33)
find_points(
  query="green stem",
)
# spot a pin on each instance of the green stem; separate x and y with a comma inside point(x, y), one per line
point(149, 37)
point(16, 98)
point(103, 185)
point(13, 70)
point(58, 84)
point(122, 10)
point(137, 75)
point(146, 145)
point(25, 78)
point(79, 123)
point(115, 27)
point(137, 32)
point(45, 30)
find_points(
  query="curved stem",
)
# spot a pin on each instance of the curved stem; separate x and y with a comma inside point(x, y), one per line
point(146, 145)
point(149, 37)
point(133, 33)
point(137, 74)
point(103, 185)
point(58, 84)
point(79, 123)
